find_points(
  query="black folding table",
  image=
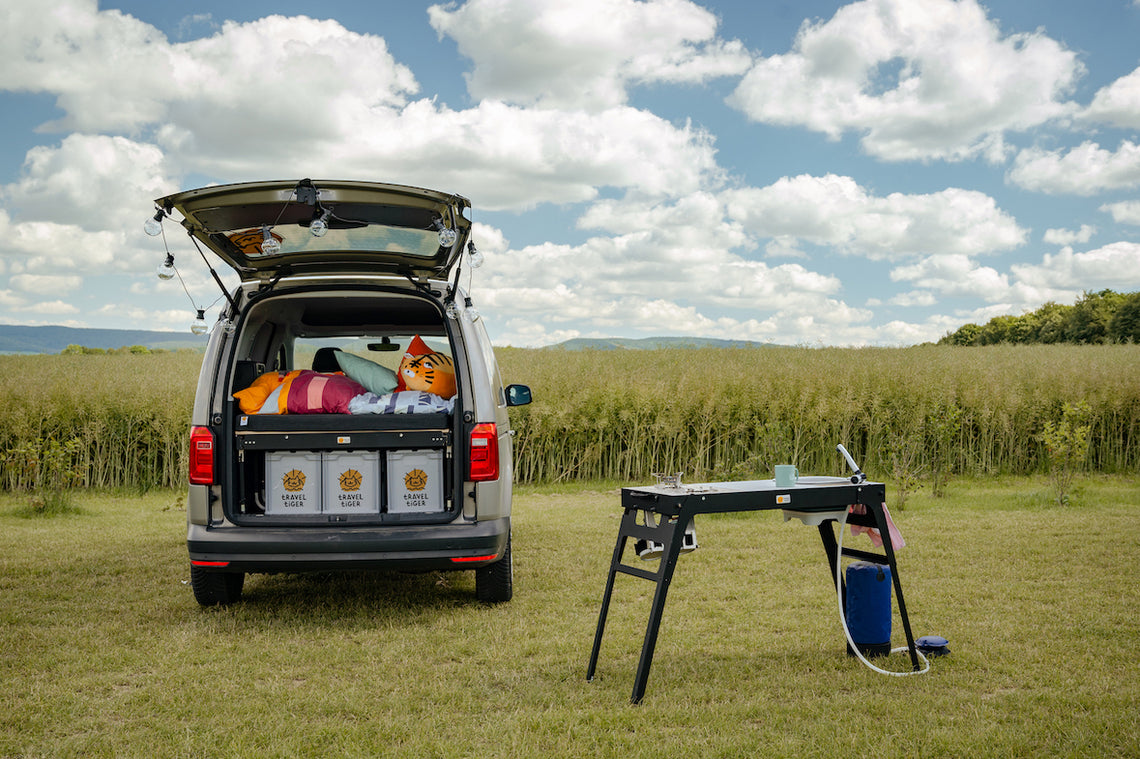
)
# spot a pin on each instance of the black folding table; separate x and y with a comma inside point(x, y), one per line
point(660, 513)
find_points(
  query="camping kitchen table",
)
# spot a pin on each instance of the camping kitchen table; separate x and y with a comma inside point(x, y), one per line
point(660, 513)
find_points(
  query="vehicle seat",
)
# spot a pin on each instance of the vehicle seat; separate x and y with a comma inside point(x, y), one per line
point(325, 360)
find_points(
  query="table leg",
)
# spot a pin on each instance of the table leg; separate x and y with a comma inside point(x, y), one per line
point(615, 562)
point(888, 549)
point(672, 539)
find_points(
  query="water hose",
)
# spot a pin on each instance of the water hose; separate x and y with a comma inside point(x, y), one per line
point(843, 615)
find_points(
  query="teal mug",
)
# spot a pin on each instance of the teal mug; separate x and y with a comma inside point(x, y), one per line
point(786, 475)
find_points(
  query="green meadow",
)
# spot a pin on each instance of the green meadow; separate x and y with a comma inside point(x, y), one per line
point(104, 653)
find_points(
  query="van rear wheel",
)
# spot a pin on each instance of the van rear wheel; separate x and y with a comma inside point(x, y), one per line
point(494, 583)
point(216, 588)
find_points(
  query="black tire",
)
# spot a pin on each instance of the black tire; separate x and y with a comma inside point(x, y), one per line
point(216, 588)
point(494, 583)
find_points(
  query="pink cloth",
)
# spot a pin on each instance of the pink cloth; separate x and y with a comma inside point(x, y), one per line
point(897, 541)
point(315, 393)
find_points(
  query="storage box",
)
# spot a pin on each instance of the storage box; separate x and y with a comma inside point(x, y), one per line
point(415, 481)
point(351, 482)
point(292, 483)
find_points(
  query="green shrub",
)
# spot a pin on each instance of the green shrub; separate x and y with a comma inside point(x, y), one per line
point(48, 470)
point(1067, 444)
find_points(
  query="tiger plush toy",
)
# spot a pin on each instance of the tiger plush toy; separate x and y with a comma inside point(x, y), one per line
point(430, 372)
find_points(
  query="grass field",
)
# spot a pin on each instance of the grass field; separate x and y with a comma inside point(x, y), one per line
point(103, 651)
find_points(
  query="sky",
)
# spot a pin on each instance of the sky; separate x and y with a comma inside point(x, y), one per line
point(813, 173)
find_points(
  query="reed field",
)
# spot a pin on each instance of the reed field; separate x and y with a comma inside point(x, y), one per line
point(925, 412)
point(128, 413)
point(717, 413)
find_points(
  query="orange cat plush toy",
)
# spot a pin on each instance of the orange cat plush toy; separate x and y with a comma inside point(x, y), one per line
point(426, 370)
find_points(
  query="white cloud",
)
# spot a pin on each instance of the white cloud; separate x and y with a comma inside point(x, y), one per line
point(1024, 288)
point(1083, 170)
point(983, 314)
point(954, 274)
point(836, 211)
point(107, 69)
point(505, 156)
point(78, 207)
point(1125, 212)
point(52, 308)
point(273, 92)
point(668, 268)
point(110, 71)
point(919, 79)
point(584, 54)
point(1116, 265)
point(92, 181)
point(1068, 236)
point(825, 320)
point(42, 246)
point(528, 333)
point(1117, 104)
point(176, 320)
point(922, 298)
point(653, 265)
point(45, 284)
point(902, 333)
point(681, 266)
point(490, 240)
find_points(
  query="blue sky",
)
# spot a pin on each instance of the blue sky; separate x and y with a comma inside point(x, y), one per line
point(814, 173)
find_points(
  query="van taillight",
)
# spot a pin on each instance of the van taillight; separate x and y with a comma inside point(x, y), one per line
point(484, 451)
point(201, 456)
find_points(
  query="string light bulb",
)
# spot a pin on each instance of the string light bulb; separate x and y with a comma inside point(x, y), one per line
point(474, 256)
point(153, 226)
point(165, 269)
point(270, 245)
point(469, 311)
point(447, 235)
point(199, 326)
point(319, 226)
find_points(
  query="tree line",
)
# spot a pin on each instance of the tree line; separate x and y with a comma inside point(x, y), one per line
point(83, 350)
point(1096, 318)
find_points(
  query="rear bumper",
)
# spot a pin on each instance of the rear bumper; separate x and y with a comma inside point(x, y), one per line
point(411, 547)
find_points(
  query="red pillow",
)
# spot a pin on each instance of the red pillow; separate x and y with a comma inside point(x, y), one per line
point(315, 393)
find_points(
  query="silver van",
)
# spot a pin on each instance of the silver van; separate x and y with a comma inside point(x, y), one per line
point(349, 412)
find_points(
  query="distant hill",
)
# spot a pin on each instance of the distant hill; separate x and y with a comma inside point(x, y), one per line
point(16, 338)
point(20, 339)
point(652, 343)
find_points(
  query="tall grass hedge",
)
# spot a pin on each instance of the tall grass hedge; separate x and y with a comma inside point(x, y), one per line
point(129, 413)
point(622, 415)
point(717, 413)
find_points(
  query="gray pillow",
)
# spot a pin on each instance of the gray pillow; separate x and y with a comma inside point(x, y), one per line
point(375, 378)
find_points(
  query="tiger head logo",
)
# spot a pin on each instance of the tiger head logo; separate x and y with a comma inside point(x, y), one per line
point(415, 480)
point(294, 480)
point(351, 480)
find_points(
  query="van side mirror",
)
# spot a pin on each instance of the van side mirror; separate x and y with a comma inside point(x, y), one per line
point(517, 395)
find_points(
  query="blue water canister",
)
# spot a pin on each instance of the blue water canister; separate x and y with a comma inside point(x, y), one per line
point(868, 607)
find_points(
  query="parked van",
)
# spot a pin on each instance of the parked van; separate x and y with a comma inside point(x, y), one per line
point(349, 412)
